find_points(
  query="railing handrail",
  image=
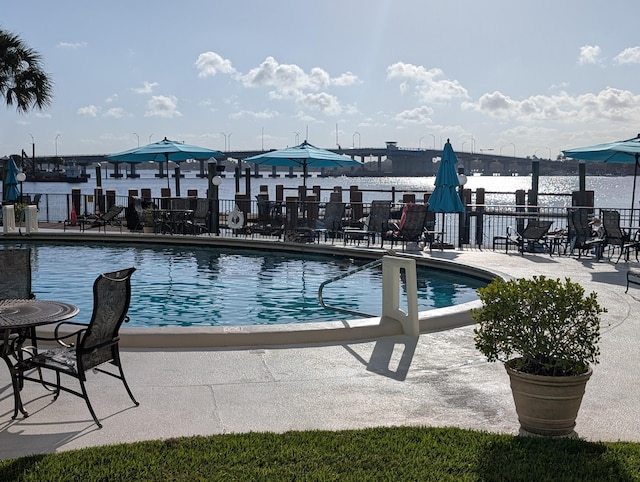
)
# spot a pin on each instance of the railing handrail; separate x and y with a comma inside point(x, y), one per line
point(370, 265)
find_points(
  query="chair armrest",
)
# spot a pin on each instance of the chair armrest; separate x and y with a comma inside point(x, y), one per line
point(513, 233)
point(59, 339)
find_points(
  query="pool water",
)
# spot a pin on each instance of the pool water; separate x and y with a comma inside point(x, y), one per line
point(187, 286)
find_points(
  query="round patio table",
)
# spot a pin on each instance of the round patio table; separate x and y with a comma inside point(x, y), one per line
point(18, 320)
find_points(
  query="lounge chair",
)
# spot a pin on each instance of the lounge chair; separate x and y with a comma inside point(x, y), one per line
point(200, 221)
point(110, 218)
point(376, 223)
point(36, 201)
point(580, 235)
point(330, 224)
point(411, 227)
point(531, 239)
point(269, 220)
point(94, 344)
point(134, 214)
point(616, 238)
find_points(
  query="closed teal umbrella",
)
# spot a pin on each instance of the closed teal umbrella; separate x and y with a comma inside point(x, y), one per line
point(445, 197)
point(11, 190)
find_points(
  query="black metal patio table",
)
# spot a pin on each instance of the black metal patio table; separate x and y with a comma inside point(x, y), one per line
point(18, 320)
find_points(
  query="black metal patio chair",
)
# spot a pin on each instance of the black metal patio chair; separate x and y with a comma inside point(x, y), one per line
point(616, 237)
point(95, 343)
point(15, 284)
point(110, 218)
point(581, 238)
point(411, 227)
point(331, 222)
point(531, 239)
point(15, 274)
point(377, 223)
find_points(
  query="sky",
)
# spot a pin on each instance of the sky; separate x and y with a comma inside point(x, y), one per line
point(514, 78)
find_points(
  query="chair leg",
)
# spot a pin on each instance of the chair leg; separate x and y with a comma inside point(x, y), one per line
point(126, 386)
point(85, 395)
point(56, 393)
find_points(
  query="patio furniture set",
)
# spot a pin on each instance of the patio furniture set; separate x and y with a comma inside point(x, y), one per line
point(585, 234)
point(79, 347)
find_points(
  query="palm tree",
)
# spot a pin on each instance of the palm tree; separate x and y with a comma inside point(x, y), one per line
point(23, 82)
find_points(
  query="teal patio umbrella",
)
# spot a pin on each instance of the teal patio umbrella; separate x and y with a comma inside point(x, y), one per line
point(11, 190)
point(304, 155)
point(626, 152)
point(165, 151)
point(445, 197)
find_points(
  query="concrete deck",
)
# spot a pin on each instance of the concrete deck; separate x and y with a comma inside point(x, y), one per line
point(438, 379)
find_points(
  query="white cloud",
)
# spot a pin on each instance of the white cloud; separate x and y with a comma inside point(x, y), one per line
point(116, 112)
point(210, 63)
point(265, 114)
point(292, 78)
point(291, 82)
point(628, 56)
point(111, 98)
point(162, 106)
point(419, 115)
point(286, 81)
point(72, 45)
point(323, 102)
point(589, 54)
point(426, 83)
point(609, 104)
point(89, 111)
point(147, 88)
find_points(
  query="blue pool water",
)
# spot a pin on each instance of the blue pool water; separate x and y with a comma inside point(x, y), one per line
point(186, 286)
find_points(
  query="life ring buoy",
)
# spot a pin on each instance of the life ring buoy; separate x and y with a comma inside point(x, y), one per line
point(236, 218)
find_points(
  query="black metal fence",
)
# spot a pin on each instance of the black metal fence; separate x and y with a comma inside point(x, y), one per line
point(476, 227)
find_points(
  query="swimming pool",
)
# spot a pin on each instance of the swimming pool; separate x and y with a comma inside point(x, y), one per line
point(214, 286)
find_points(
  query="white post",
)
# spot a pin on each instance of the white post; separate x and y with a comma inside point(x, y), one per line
point(8, 219)
point(391, 266)
point(31, 219)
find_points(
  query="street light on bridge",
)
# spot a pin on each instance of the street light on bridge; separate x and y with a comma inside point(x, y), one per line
point(356, 133)
point(227, 136)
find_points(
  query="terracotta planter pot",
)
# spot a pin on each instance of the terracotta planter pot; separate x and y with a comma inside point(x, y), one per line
point(547, 405)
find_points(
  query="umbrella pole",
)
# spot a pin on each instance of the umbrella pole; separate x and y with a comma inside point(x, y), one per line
point(166, 156)
point(304, 177)
point(633, 194)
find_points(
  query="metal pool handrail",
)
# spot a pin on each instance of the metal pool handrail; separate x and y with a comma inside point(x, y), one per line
point(372, 264)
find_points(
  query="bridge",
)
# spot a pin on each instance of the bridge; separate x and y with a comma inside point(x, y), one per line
point(390, 160)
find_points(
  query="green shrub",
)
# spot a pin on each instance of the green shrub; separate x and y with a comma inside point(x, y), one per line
point(540, 326)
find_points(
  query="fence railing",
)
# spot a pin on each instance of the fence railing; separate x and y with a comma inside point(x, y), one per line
point(476, 227)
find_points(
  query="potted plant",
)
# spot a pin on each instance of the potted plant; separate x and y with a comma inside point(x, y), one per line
point(546, 332)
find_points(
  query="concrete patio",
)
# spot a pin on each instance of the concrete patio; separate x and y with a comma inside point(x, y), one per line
point(438, 379)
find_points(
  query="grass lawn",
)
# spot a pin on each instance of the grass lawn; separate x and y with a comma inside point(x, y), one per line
point(393, 454)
